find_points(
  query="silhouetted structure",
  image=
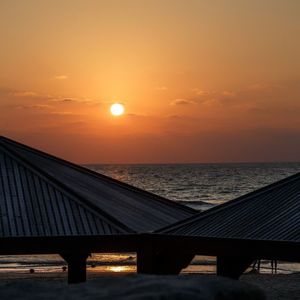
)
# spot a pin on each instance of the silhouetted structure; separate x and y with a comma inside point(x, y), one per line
point(262, 224)
point(49, 205)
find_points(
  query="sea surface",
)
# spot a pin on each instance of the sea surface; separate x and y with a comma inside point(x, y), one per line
point(200, 186)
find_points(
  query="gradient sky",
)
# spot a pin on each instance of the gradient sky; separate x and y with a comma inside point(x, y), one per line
point(201, 81)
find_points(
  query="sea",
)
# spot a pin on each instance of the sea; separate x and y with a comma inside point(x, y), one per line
point(200, 186)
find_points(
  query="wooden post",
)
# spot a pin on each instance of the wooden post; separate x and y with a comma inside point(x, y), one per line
point(145, 260)
point(76, 266)
point(156, 262)
point(232, 267)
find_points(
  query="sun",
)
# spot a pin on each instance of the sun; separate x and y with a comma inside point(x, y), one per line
point(117, 109)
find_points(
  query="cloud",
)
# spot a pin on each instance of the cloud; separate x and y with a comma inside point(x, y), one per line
point(63, 113)
point(65, 100)
point(175, 117)
point(256, 109)
point(35, 106)
point(213, 102)
point(264, 86)
point(229, 93)
point(207, 93)
point(89, 102)
point(13, 93)
point(34, 96)
point(182, 102)
point(24, 94)
point(60, 77)
point(200, 92)
point(136, 115)
point(5, 91)
point(161, 88)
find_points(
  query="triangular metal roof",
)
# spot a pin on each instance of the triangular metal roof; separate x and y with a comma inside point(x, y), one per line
point(270, 213)
point(44, 195)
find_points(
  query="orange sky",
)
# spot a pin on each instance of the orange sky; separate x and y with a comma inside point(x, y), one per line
point(201, 81)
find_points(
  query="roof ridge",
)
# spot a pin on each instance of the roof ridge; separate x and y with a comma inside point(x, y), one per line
point(104, 177)
point(70, 193)
point(230, 203)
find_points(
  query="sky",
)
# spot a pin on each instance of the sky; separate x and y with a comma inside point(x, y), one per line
point(201, 81)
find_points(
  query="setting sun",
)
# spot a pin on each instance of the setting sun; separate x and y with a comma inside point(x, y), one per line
point(117, 109)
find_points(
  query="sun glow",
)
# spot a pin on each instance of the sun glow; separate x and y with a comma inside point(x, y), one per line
point(117, 269)
point(117, 109)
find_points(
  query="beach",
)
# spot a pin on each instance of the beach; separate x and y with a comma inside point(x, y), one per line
point(279, 286)
point(54, 285)
point(51, 281)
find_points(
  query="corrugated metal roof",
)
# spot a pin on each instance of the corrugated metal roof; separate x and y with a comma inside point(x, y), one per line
point(35, 185)
point(33, 206)
point(270, 213)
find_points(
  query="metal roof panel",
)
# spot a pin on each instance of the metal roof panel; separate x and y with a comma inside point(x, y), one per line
point(270, 213)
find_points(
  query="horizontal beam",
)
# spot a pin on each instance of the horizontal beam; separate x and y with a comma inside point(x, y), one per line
point(281, 250)
point(84, 244)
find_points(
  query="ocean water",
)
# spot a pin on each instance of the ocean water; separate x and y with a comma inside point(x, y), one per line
point(200, 186)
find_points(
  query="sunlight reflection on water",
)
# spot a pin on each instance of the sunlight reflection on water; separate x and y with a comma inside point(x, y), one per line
point(119, 269)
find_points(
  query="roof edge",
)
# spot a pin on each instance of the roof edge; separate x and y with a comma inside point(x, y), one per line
point(104, 177)
point(70, 193)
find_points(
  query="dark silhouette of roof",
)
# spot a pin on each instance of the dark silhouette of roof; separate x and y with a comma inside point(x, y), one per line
point(271, 213)
point(42, 195)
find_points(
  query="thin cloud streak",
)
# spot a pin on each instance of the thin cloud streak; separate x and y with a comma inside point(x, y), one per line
point(182, 102)
point(60, 77)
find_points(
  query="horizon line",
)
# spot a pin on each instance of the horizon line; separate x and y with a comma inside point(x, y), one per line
point(191, 163)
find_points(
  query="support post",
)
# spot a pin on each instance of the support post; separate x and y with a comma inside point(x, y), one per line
point(232, 267)
point(144, 260)
point(157, 262)
point(76, 266)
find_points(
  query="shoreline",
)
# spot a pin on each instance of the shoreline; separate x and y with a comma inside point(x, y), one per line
point(200, 264)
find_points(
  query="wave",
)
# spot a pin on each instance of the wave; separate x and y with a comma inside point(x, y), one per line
point(194, 202)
